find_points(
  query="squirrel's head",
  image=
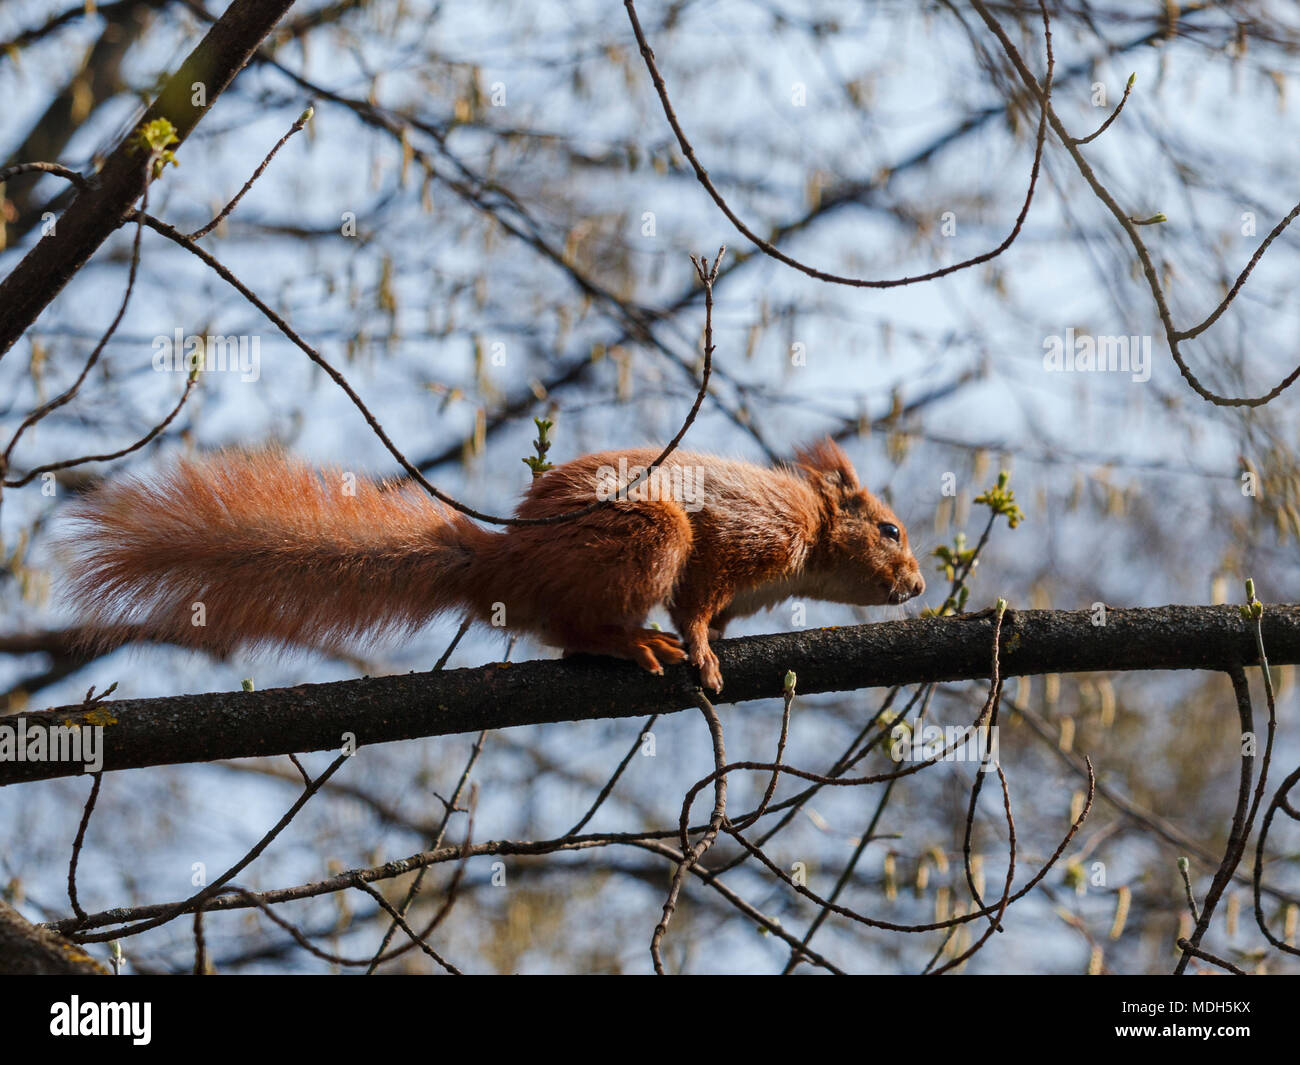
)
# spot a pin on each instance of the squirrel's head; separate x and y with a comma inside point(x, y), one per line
point(862, 554)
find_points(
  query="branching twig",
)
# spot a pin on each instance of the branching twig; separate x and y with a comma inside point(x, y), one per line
point(213, 888)
point(691, 854)
point(821, 275)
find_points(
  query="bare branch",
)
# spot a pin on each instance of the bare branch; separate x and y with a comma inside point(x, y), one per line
point(201, 728)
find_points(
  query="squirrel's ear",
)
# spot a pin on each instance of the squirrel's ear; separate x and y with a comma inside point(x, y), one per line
point(825, 457)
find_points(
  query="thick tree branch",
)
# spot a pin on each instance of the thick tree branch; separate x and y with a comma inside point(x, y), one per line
point(96, 212)
point(310, 717)
point(26, 950)
point(96, 79)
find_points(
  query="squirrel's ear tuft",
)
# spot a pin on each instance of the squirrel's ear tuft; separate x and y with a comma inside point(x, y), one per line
point(828, 459)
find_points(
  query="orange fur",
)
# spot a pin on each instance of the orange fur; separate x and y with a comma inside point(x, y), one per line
point(278, 553)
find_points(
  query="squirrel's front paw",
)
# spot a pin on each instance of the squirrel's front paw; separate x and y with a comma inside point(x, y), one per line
point(710, 671)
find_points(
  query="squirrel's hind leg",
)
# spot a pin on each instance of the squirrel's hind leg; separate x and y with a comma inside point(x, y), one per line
point(588, 585)
point(651, 649)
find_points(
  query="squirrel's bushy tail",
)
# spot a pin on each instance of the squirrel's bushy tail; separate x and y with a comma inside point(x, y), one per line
point(257, 548)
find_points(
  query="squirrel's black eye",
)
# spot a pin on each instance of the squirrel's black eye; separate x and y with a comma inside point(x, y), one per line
point(889, 530)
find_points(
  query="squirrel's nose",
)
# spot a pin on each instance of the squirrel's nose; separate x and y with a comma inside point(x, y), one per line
point(907, 587)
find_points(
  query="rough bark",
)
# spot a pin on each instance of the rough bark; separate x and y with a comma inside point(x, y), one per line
point(26, 950)
point(201, 728)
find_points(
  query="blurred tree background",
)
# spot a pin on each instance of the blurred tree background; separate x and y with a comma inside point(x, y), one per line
point(486, 220)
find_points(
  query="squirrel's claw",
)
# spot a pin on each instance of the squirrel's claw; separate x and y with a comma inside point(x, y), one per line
point(651, 649)
point(710, 671)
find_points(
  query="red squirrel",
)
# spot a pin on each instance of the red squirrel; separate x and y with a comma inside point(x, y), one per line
point(259, 548)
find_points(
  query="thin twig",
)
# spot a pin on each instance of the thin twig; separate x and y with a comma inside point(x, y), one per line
point(212, 889)
point(76, 845)
point(1128, 88)
point(771, 250)
point(301, 121)
point(691, 854)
